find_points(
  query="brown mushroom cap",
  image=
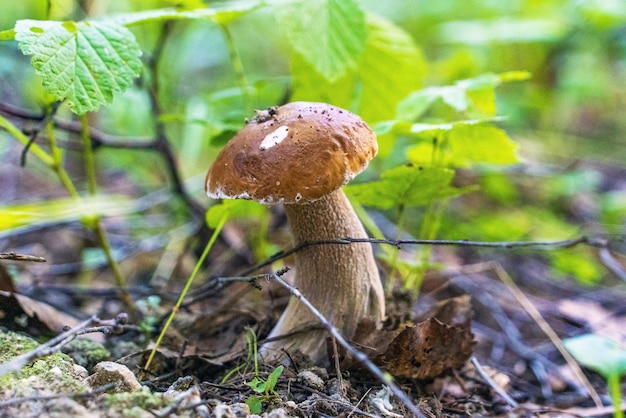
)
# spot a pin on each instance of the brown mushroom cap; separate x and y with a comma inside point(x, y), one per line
point(297, 152)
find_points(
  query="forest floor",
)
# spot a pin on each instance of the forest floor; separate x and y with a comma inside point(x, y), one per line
point(495, 348)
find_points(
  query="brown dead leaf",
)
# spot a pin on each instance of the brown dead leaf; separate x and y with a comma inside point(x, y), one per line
point(6, 283)
point(19, 312)
point(424, 350)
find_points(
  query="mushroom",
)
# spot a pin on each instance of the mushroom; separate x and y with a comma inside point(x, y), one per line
point(300, 154)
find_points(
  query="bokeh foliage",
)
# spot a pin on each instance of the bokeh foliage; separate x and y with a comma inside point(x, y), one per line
point(444, 84)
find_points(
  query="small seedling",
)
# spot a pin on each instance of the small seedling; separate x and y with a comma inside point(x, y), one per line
point(605, 357)
point(264, 389)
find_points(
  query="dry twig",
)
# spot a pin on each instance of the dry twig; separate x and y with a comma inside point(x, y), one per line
point(21, 257)
point(490, 382)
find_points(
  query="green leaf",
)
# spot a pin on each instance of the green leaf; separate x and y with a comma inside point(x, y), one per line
point(272, 379)
point(7, 35)
point(406, 185)
point(258, 385)
point(81, 62)
point(474, 94)
point(63, 210)
point(481, 144)
point(390, 55)
point(255, 405)
point(237, 209)
point(330, 35)
point(578, 263)
point(598, 353)
point(222, 14)
point(392, 66)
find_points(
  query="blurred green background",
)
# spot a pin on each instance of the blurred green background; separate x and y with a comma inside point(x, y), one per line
point(569, 118)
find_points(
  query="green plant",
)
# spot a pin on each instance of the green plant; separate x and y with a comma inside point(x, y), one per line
point(455, 130)
point(149, 307)
point(264, 389)
point(604, 356)
point(359, 50)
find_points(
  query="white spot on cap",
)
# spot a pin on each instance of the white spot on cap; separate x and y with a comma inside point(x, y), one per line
point(274, 138)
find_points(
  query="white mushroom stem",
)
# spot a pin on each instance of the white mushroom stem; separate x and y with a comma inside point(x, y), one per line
point(340, 280)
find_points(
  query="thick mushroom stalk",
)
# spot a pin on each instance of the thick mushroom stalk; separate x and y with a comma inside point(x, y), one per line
point(301, 154)
point(340, 280)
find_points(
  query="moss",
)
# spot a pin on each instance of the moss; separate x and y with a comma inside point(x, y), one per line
point(48, 375)
point(134, 404)
point(86, 352)
point(13, 344)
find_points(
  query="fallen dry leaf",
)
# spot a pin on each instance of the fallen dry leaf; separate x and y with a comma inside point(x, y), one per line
point(38, 318)
point(424, 350)
point(6, 283)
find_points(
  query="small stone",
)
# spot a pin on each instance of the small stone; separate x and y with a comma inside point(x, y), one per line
point(80, 372)
point(107, 372)
point(56, 371)
point(310, 379)
point(241, 410)
point(180, 385)
point(276, 413)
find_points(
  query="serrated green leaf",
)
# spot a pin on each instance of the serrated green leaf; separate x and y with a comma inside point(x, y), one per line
point(407, 186)
point(222, 14)
point(598, 353)
point(83, 63)
point(417, 103)
point(465, 95)
point(330, 35)
point(390, 54)
point(481, 144)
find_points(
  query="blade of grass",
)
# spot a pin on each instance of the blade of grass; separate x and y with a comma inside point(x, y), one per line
point(186, 289)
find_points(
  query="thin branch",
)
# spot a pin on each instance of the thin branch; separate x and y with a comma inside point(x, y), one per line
point(591, 241)
point(612, 264)
point(98, 137)
point(490, 382)
point(358, 355)
point(93, 324)
point(21, 257)
point(47, 117)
